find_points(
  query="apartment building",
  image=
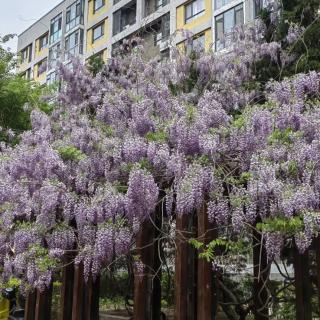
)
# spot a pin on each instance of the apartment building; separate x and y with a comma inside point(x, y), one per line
point(86, 28)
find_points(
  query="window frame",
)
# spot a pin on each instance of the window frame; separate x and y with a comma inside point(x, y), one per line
point(224, 3)
point(54, 55)
point(100, 25)
point(77, 48)
point(51, 78)
point(78, 7)
point(39, 64)
point(257, 7)
point(26, 54)
point(41, 45)
point(193, 15)
point(221, 17)
point(95, 9)
point(191, 47)
point(161, 3)
point(58, 19)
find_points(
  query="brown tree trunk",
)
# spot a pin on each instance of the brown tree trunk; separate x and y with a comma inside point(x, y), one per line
point(317, 249)
point(206, 288)
point(78, 288)
point(185, 270)
point(67, 291)
point(91, 299)
point(43, 304)
point(158, 254)
point(261, 275)
point(302, 285)
point(142, 308)
point(30, 306)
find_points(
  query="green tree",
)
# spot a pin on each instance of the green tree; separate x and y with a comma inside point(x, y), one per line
point(15, 94)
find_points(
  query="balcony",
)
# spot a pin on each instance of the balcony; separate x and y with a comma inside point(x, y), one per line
point(151, 6)
point(124, 17)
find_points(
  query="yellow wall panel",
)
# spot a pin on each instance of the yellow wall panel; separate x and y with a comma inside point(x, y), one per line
point(98, 43)
point(208, 40)
point(207, 16)
point(92, 16)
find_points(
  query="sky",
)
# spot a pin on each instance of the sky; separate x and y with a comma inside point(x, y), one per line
point(18, 15)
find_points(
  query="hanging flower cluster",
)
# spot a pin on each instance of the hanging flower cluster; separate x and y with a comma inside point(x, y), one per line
point(86, 176)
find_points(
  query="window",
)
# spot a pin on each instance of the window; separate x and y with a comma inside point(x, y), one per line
point(51, 78)
point(74, 15)
point(97, 32)
point(42, 67)
point(27, 75)
point(165, 54)
point(43, 42)
point(74, 44)
point(54, 55)
point(220, 3)
point(225, 24)
point(161, 3)
point(97, 4)
point(164, 30)
point(124, 17)
point(55, 28)
point(197, 44)
point(258, 5)
point(194, 10)
point(26, 54)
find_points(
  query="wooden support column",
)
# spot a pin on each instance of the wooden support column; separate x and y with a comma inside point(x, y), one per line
point(181, 271)
point(91, 299)
point(67, 291)
point(43, 304)
point(317, 249)
point(158, 254)
point(185, 270)
point(30, 306)
point(261, 275)
point(95, 299)
point(205, 289)
point(142, 309)
point(302, 285)
point(77, 303)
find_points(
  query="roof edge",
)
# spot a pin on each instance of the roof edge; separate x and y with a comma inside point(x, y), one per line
point(20, 34)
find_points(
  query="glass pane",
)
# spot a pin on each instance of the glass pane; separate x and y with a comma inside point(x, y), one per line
point(218, 4)
point(239, 15)
point(199, 4)
point(219, 27)
point(188, 11)
point(97, 4)
point(199, 43)
point(228, 21)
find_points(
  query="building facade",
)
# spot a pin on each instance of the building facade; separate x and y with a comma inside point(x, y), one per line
point(88, 28)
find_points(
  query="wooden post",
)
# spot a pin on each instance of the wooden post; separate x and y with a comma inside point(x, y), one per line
point(77, 303)
point(43, 304)
point(261, 275)
point(317, 249)
point(156, 292)
point(91, 299)
point(67, 291)
point(302, 285)
point(181, 272)
point(142, 309)
point(95, 299)
point(185, 270)
point(205, 288)
point(30, 306)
